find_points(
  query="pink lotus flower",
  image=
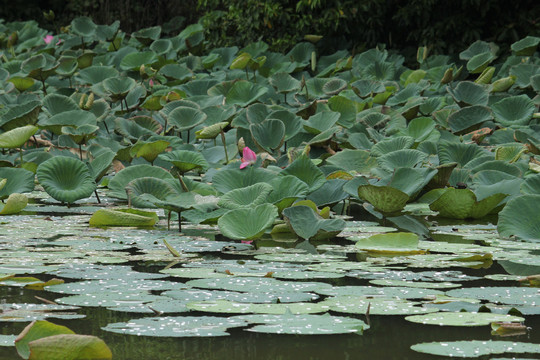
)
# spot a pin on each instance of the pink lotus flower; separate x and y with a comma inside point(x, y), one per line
point(48, 39)
point(248, 158)
point(151, 82)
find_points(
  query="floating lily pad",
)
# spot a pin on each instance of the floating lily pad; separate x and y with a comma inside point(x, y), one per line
point(230, 307)
point(475, 348)
point(462, 319)
point(376, 306)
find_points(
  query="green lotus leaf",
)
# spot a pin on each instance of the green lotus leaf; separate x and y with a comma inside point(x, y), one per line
point(248, 196)
point(37, 330)
point(514, 110)
point(421, 129)
point(73, 347)
point(392, 144)
point(353, 160)
point(462, 318)
point(17, 137)
point(469, 118)
point(460, 153)
point(83, 26)
point(186, 118)
point(330, 193)
point(243, 93)
point(412, 91)
point(147, 35)
point(247, 223)
point(80, 134)
point(376, 305)
point(158, 188)
point(475, 348)
point(17, 181)
point(176, 202)
point(292, 122)
point(526, 46)
point(229, 179)
point(334, 86)
point(524, 73)
point(118, 183)
point(55, 104)
point(476, 48)
point(479, 62)
point(95, 74)
point(14, 204)
point(185, 160)
point(531, 185)
point(535, 82)
point(118, 87)
point(284, 83)
point(268, 135)
point(365, 88)
point(101, 164)
point(73, 118)
point(149, 150)
point(391, 243)
point(401, 158)
point(286, 190)
point(469, 93)
point(40, 66)
point(133, 61)
point(178, 72)
point(123, 217)
point(384, 198)
point(22, 83)
point(409, 180)
point(66, 179)
point(521, 217)
point(67, 66)
point(304, 169)
point(307, 224)
point(463, 204)
point(321, 121)
point(130, 129)
point(20, 115)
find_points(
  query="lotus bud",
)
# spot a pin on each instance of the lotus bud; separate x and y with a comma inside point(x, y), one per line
point(241, 144)
point(12, 39)
point(486, 75)
point(89, 102)
point(82, 101)
point(503, 84)
point(448, 76)
point(313, 61)
point(49, 16)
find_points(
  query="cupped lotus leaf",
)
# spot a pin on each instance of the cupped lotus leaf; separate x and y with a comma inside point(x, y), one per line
point(364, 88)
point(147, 35)
point(133, 61)
point(118, 183)
point(80, 134)
point(307, 224)
point(525, 46)
point(69, 347)
point(409, 180)
point(212, 131)
point(384, 198)
point(321, 121)
point(178, 72)
point(304, 324)
point(248, 196)
point(55, 104)
point(330, 193)
point(187, 326)
point(292, 122)
point(286, 189)
point(469, 93)
point(523, 74)
point(392, 144)
point(66, 179)
point(158, 188)
point(37, 330)
point(514, 110)
point(131, 129)
point(421, 129)
point(230, 307)
point(243, 93)
point(185, 160)
point(39, 66)
point(118, 87)
point(531, 185)
point(521, 218)
point(67, 67)
point(353, 160)
point(401, 158)
point(462, 318)
point(463, 204)
point(17, 181)
point(334, 86)
point(269, 135)
point(479, 62)
point(148, 150)
point(14, 204)
point(230, 179)
point(391, 243)
point(123, 217)
point(73, 118)
point(247, 223)
point(304, 169)
point(497, 165)
point(20, 115)
point(22, 83)
point(83, 26)
point(95, 74)
point(469, 118)
point(325, 137)
point(460, 153)
point(475, 348)
point(478, 47)
point(186, 118)
point(17, 137)
point(284, 83)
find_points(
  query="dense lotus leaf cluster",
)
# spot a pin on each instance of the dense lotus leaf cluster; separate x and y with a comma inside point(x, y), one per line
point(265, 146)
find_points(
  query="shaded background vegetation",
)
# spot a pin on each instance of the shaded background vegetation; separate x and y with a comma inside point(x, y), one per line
point(446, 26)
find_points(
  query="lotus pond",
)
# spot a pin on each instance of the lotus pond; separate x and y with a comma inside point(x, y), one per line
point(165, 200)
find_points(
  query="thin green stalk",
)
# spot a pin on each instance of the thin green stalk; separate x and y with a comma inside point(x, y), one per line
point(224, 146)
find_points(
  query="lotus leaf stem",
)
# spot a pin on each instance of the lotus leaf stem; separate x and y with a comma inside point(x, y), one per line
point(224, 146)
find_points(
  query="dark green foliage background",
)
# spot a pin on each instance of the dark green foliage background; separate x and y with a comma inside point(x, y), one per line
point(445, 26)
